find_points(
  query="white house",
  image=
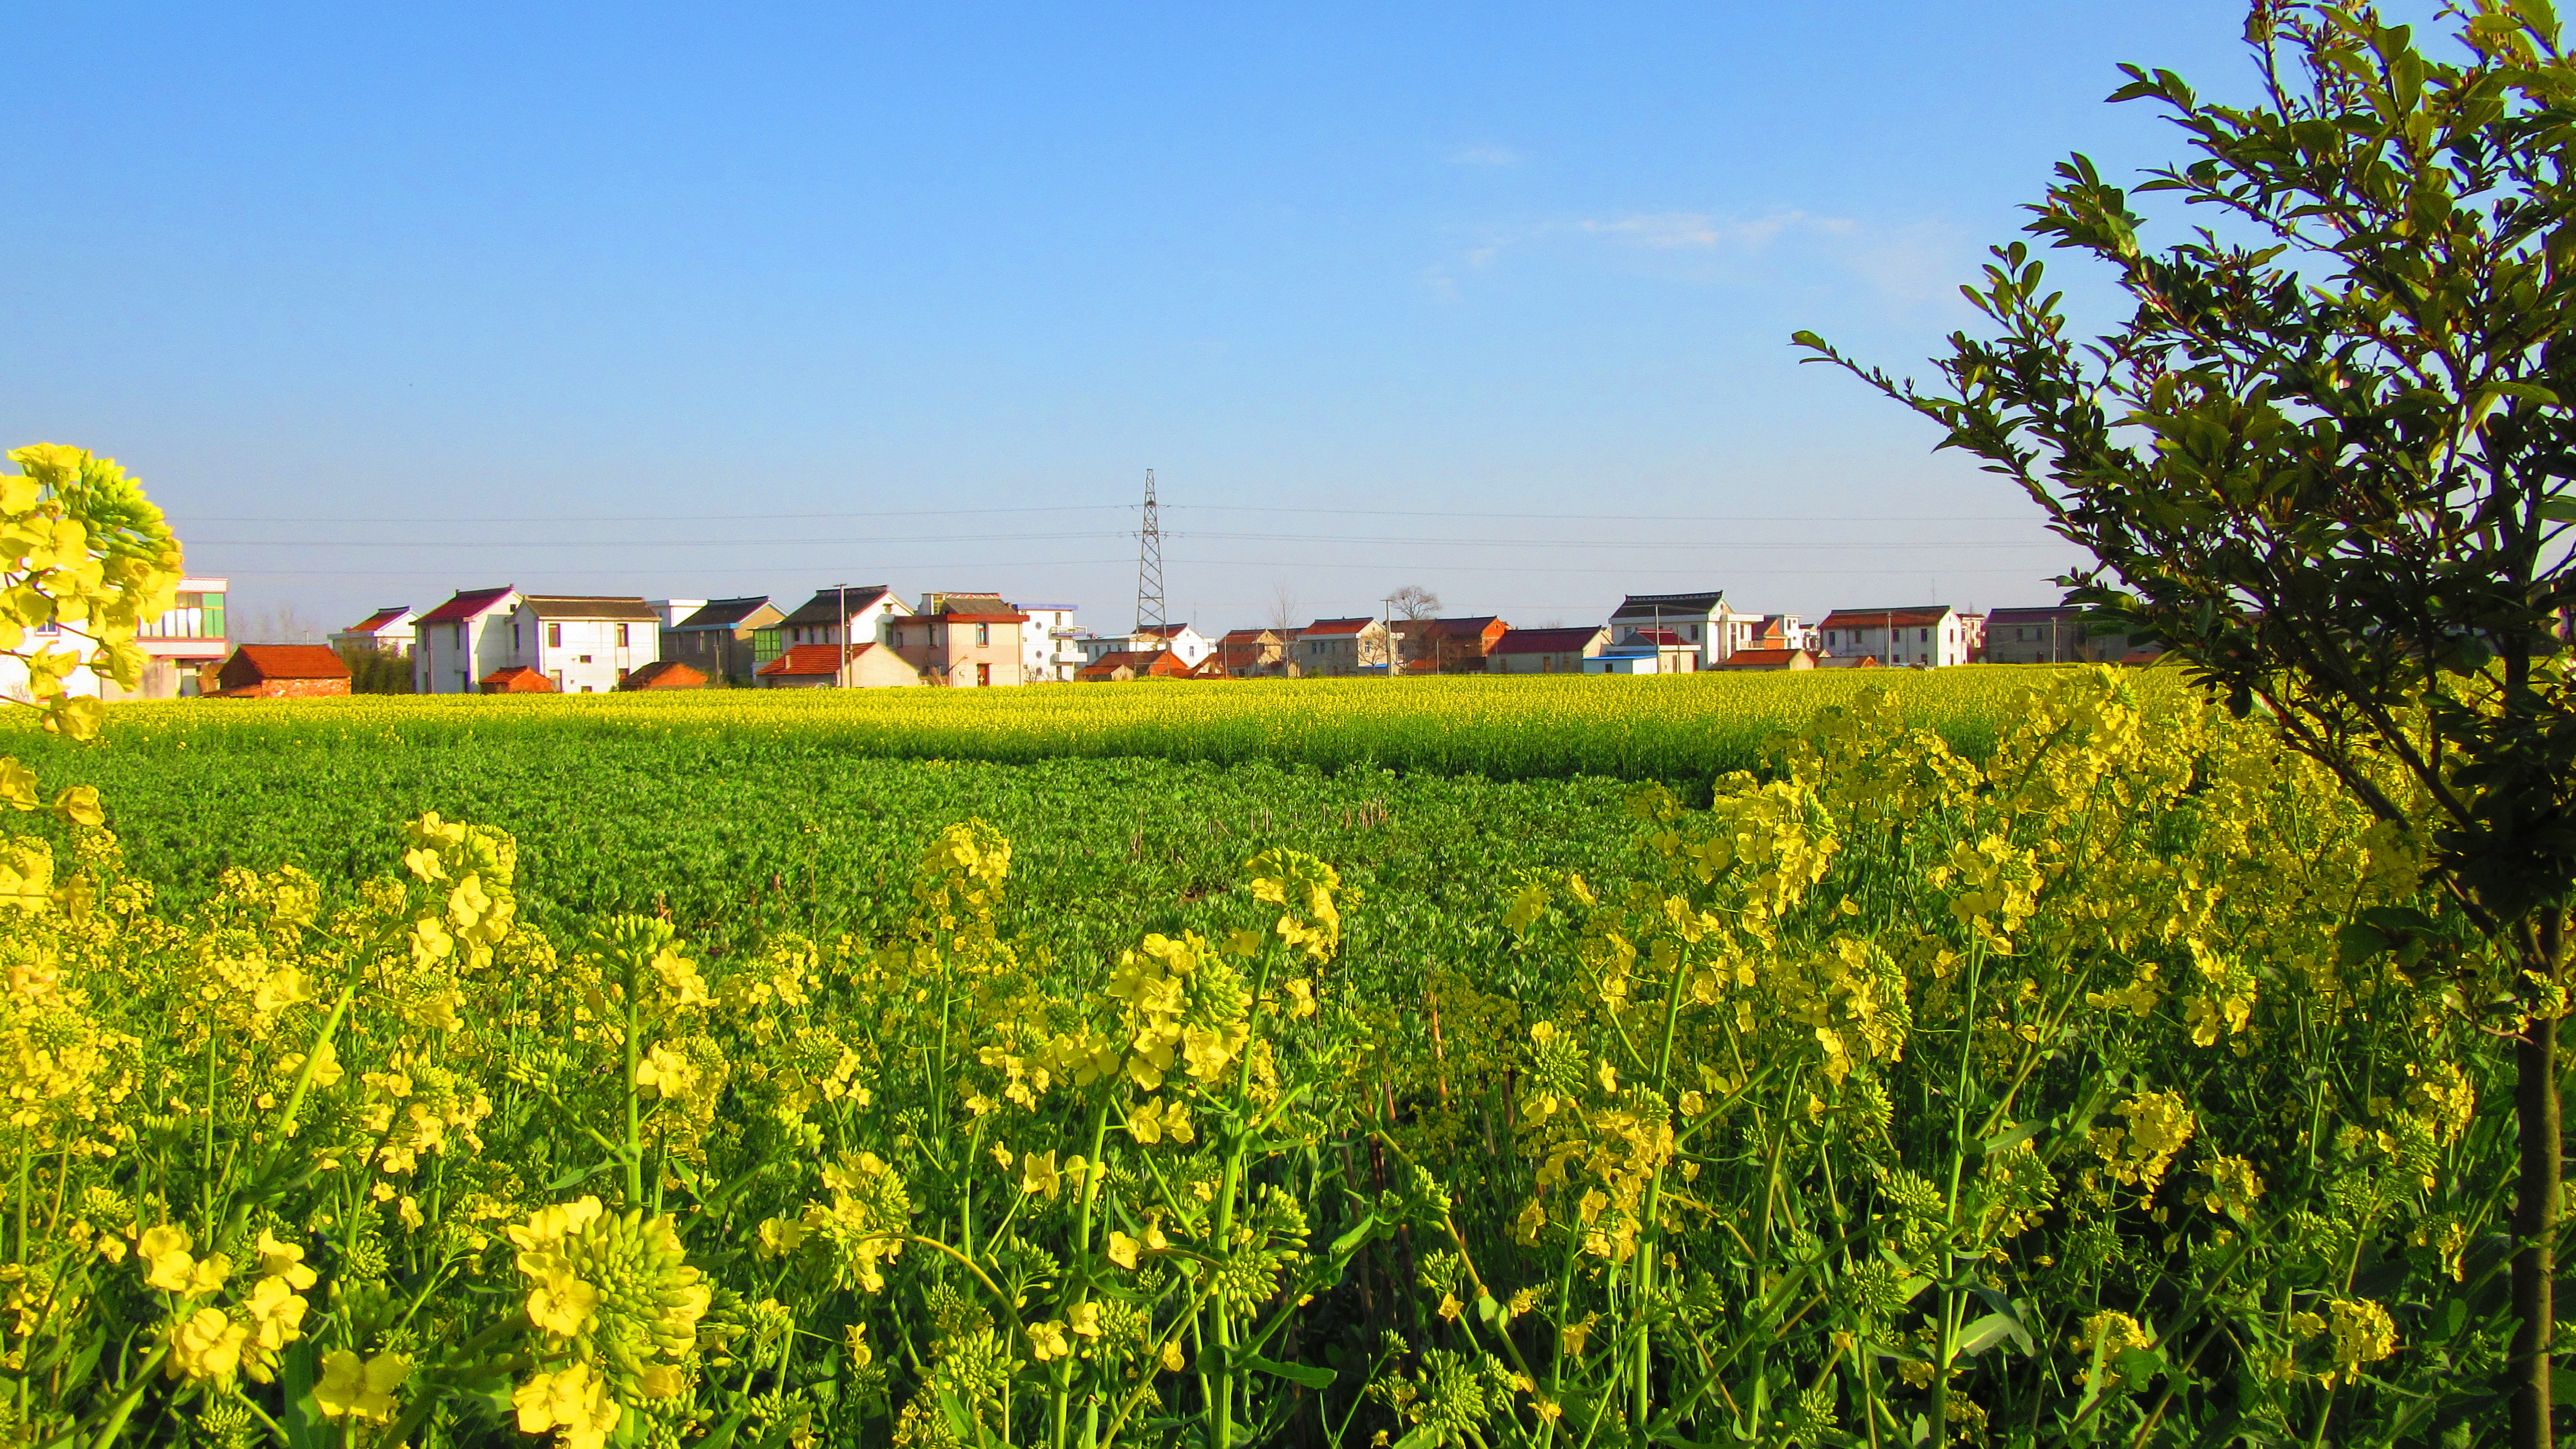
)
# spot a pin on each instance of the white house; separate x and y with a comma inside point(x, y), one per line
point(1932, 635)
point(460, 641)
point(388, 630)
point(583, 644)
point(176, 647)
point(673, 611)
point(1192, 646)
point(1705, 623)
point(851, 615)
point(1047, 645)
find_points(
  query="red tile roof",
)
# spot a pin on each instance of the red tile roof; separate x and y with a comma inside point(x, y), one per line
point(1161, 631)
point(664, 674)
point(1657, 636)
point(1548, 641)
point(1907, 618)
point(468, 604)
point(1335, 626)
point(1247, 636)
point(1160, 662)
point(518, 679)
point(254, 662)
point(377, 620)
point(804, 659)
point(1468, 628)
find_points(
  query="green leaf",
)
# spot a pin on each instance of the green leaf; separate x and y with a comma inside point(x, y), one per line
point(1310, 1375)
point(1990, 1330)
point(2561, 509)
point(1486, 1308)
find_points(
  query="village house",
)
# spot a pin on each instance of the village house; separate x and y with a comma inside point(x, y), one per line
point(1192, 646)
point(1546, 651)
point(1930, 635)
point(835, 666)
point(1251, 653)
point(1047, 644)
point(182, 647)
point(456, 644)
point(964, 641)
point(1446, 646)
point(283, 671)
point(2052, 635)
point(853, 615)
point(1333, 647)
point(1128, 664)
point(724, 639)
point(1703, 621)
point(387, 631)
point(583, 643)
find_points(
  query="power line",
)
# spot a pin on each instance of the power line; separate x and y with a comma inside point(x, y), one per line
point(877, 540)
point(678, 517)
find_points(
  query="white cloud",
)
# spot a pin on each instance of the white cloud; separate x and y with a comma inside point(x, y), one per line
point(1702, 231)
point(1484, 156)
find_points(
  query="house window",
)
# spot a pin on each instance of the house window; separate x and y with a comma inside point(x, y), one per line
point(1922, 636)
point(554, 636)
point(984, 635)
point(621, 636)
point(514, 636)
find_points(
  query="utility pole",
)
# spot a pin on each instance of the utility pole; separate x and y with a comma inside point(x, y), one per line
point(841, 627)
point(1149, 563)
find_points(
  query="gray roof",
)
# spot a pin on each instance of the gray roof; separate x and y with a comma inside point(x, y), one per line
point(825, 606)
point(587, 606)
point(1650, 605)
point(723, 613)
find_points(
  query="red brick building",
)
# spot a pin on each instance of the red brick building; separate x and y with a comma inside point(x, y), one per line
point(283, 671)
point(518, 679)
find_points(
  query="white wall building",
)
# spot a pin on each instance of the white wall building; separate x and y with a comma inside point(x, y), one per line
point(837, 615)
point(1189, 644)
point(1048, 647)
point(672, 611)
point(1705, 622)
point(176, 646)
point(460, 641)
point(389, 630)
point(583, 644)
point(1931, 635)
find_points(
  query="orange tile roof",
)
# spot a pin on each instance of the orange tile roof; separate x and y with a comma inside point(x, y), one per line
point(804, 659)
point(290, 661)
point(664, 674)
point(1759, 658)
point(520, 679)
point(377, 620)
point(1336, 626)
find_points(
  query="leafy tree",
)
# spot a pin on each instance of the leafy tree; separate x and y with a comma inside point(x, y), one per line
point(2325, 463)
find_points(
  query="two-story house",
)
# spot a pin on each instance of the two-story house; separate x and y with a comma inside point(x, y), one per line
point(968, 641)
point(848, 615)
point(388, 631)
point(1188, 644)
point(583, 643)
point(1047, 643)
point(460, 641)
point(1332, 647)
point(1930, 635)
point(1705, 622)
point(2053, 634)
point(725, 639)
point(1251, 653)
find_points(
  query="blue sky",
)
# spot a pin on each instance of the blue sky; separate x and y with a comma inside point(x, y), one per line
point(753, 299)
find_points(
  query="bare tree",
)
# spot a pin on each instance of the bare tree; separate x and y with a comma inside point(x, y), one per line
point(1413, 601)
point(279, 623)
point(1283, 606)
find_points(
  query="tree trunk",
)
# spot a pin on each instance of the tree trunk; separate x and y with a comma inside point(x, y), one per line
point(2535, 1226)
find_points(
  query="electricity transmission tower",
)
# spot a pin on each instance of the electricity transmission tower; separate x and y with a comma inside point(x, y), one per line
point(1149, 564)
